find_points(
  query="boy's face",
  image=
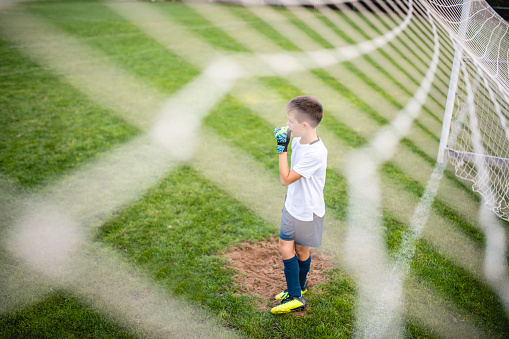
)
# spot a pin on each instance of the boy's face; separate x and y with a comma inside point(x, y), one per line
point(296, 127)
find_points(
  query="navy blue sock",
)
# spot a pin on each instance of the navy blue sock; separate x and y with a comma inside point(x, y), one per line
point(303, 271)
point(292, 276)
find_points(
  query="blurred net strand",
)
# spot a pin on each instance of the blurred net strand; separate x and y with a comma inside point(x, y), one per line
point(380, 298)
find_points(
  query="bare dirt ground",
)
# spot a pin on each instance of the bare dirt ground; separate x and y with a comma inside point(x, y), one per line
point(261, 273)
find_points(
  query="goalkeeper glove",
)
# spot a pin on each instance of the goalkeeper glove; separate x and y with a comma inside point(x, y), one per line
point(282, 135)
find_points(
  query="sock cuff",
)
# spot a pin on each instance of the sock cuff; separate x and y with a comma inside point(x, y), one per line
point(304, 262)
point(291, 260)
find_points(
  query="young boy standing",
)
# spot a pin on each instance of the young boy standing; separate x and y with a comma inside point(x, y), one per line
point(304, 208)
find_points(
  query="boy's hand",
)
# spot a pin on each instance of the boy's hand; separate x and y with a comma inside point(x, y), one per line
point(282, 135)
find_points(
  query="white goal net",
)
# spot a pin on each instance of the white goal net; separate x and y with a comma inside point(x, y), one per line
point(478, 143)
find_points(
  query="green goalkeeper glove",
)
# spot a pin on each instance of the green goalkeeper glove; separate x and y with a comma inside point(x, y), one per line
point(282, 135)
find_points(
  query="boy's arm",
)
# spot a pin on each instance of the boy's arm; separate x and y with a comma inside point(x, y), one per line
point(286, 175)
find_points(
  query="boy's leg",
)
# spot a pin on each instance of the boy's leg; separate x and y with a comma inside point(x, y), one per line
point(294, 301)
point(304, 264)
point(291, 267)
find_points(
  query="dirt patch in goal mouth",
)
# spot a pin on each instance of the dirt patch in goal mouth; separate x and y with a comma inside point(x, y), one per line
point(261, 273)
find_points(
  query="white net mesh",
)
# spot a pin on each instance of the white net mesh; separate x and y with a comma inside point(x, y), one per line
point(480, 31)
point(479, 135)
point(480, 116)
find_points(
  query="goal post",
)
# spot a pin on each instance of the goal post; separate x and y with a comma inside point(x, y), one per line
point(453, 85)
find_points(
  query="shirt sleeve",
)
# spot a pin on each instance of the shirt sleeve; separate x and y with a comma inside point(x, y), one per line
point(308, 164)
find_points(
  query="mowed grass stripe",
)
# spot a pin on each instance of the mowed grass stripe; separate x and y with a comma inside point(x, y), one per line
point(201, 26)
point(130, 48)
point(48, 127)
point(237, 28)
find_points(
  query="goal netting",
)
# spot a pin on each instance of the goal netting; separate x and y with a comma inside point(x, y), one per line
point(476, 138)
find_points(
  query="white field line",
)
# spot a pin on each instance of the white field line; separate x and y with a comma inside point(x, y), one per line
point(381, 284)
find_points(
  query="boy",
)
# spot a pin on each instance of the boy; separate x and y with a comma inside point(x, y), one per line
point(304, 208)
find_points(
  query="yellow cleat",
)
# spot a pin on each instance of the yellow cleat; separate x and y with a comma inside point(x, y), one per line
point(290, 304)
point(284, 294)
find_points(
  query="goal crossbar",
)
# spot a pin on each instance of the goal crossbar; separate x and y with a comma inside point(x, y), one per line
point(479, 159)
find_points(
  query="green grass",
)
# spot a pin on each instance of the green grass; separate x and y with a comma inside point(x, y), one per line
point(59, 316)
point(48, 128)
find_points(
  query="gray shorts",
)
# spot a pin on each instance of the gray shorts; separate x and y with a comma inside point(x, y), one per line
point(305, 233)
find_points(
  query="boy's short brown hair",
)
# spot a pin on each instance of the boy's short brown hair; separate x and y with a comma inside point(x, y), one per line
point(308, 109)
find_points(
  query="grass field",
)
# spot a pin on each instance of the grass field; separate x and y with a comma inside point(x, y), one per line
point(81, 80)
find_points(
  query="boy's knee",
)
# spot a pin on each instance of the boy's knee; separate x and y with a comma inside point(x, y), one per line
point(286, 249)
point(302, 252)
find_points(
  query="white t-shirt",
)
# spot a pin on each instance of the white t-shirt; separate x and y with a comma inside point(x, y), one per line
point(305, 196)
